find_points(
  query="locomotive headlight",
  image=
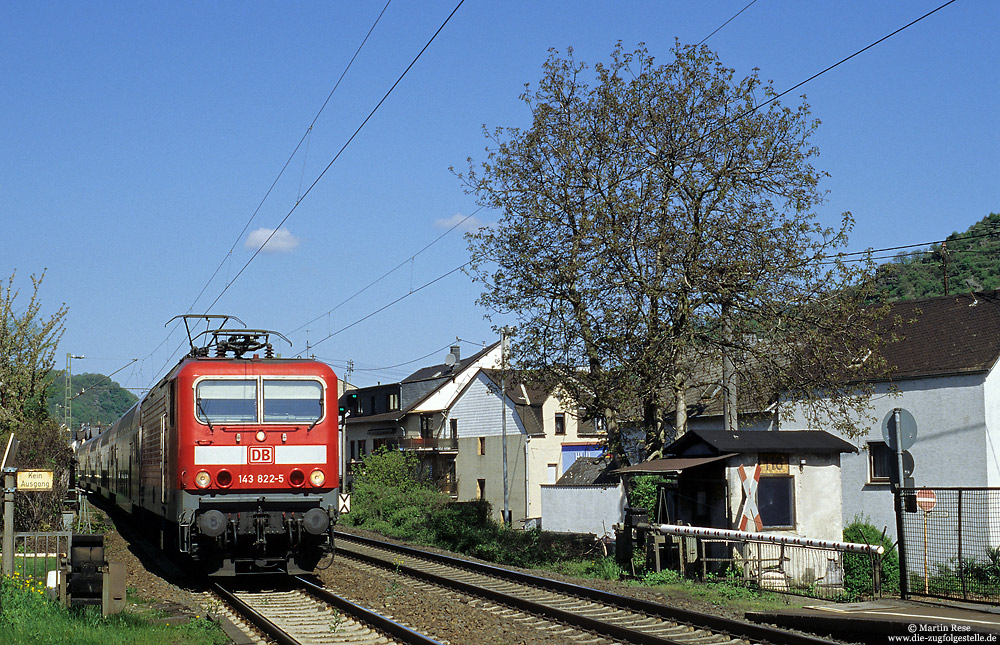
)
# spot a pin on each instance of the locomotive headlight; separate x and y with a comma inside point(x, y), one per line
point(202, 479)
point(317, 478)
point(260, 435)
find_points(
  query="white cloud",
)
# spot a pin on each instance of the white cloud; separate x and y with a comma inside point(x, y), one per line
point(281, 242)
point(465, 224)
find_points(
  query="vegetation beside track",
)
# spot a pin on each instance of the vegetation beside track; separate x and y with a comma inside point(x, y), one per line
point(28, 615)
point(392, 497)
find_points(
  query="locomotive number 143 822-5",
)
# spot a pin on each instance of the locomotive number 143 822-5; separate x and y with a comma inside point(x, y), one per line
point(262, 479)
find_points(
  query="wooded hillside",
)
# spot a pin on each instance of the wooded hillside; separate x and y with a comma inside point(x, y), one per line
point(965, 262)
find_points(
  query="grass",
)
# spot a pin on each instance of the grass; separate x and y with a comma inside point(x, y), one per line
point(27, 615)
point(719, 592)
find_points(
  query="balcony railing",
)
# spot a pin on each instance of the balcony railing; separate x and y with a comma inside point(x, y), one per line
point(428, 443)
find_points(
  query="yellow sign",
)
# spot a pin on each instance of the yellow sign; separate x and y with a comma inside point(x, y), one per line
point(773, 464)
point(34, 480)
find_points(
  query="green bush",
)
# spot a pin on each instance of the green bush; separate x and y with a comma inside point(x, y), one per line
point(857, 566)
point(392, 496)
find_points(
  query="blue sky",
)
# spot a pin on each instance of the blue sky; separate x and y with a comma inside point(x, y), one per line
point(139, 138)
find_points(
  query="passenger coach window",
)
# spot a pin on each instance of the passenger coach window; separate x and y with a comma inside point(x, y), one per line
point(227, 401)
point(292, 401)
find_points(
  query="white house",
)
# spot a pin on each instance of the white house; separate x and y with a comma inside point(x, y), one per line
point(945, 376)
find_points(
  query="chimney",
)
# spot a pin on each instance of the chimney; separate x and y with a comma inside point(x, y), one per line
point(456, 352)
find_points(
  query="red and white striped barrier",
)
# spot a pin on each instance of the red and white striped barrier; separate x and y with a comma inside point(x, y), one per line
point(771, 538)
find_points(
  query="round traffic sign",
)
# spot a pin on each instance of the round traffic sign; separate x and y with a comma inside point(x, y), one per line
point(926, 499)
point(907, 429)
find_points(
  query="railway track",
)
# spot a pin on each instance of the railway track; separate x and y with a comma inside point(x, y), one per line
point(583, 612)
point(303, 612)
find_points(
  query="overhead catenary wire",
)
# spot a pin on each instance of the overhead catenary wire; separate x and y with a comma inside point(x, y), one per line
point(295, 151)
point(390, 304)
point(270, 189)
point(734, 16)
point(726, 124)
point(106, 378)
point(390, 271)
point(324, 171)
point(336, 156)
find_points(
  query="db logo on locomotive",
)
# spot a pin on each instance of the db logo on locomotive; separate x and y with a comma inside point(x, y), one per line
point(260, 454)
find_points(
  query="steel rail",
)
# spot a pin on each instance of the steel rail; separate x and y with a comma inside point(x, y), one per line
point(376, 621)
point(255, 617)
point(695, 619)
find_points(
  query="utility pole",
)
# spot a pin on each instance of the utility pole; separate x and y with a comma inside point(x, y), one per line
point(503, 422)
point(730, 400)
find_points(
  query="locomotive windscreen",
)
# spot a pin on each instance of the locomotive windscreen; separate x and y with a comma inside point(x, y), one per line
point(226, 401)
point(292, 401)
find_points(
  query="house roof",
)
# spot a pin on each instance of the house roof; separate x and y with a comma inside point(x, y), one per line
point(693, 442)
point(443, 370)
point(590, 471)
point(671, 464)
point(945, 335)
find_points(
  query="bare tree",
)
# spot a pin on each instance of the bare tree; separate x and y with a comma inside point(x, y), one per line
point(657, 221)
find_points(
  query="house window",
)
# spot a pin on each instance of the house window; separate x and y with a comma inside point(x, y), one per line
point(426, 426)
point(453, 424)
point(482, 446)
point(776, 502)
point(881, 463)
point(361, 447)
point(480, 489)
point(553, 471)
point(560, 423)
point(353, 447)
point(392, 401)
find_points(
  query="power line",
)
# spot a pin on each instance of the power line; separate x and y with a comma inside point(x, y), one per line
point(719, 28)
point(390, 367)
point(267, 194)
point(384, 307)
point(324, 171)
point(869, 253)
point(390, 271)
point(292, 155)
point(106, 378)
point(751, 110)
point(336, 156)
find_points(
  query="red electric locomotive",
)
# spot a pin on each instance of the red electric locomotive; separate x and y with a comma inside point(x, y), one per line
point(234, 456)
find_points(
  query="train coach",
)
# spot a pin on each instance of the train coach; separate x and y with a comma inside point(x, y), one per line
point(232, 459)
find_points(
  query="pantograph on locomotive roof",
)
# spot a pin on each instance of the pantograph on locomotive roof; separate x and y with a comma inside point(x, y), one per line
point(223, 340)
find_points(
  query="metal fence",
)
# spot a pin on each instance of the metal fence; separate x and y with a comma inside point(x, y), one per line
point(950, 543)
point(35, 554)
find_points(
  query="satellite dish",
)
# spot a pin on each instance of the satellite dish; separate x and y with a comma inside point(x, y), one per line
point(450, 360)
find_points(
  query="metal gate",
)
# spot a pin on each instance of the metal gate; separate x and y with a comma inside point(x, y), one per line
point(949, 543)
point(38, 553)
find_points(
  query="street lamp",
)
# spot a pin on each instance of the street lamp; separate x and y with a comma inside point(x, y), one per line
point(68, 393)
